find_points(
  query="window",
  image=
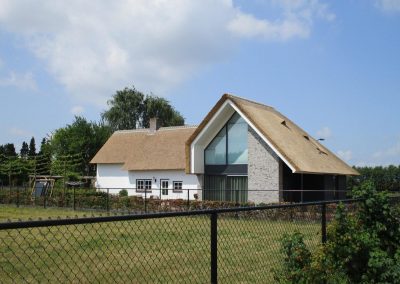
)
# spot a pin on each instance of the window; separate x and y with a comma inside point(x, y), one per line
point(229, 147)
point(237, 140)
point(143, 185)
point(164, 187)
point(177, 186)
point(215, 153)
point(225, 188)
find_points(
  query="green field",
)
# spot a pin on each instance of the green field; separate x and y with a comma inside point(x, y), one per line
point(154, 250)
point(13, 213)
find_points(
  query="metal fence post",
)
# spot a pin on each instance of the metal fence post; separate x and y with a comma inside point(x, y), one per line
point(61, 200)
point(145, 197)
point(73, 200)
point(188, 200)
point(107, 205)
point(44, 200)
point(214, 248)
point(323, 222)
point(17, 197)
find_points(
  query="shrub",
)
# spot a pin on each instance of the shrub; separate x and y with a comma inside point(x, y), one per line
point(363, 247)
point(297, 260)
point(72, 176)
point(123, 193)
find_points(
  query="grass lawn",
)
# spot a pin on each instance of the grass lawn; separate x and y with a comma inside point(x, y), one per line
point(154, 250)
point(14, 213)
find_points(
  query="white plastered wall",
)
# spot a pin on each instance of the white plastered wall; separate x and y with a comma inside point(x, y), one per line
point(113, 178)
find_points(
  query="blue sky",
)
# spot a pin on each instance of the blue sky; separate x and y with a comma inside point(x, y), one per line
point(333, 67)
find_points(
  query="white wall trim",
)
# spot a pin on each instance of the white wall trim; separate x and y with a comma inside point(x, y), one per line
point(210, 122)
point(202, 133)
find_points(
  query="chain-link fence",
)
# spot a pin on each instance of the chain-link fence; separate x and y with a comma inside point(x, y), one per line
point(239, 245)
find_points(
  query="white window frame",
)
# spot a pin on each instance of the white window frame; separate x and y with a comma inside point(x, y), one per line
point(143, 185)
point(177, 186)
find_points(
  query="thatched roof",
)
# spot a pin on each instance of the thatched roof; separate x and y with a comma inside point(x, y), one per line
point(143, 150)
point(299, 149)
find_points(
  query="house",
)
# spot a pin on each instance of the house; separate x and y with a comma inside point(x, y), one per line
point(242, 151)
point(147, 162)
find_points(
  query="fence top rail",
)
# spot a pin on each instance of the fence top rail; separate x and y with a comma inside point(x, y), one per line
point(214, 189)
point(131, 217)
point(104, 189)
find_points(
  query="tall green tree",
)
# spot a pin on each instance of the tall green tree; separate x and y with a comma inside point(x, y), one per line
point(3, 177)
point(131, 109)
point(43, 159)
point(24, 150)
point(9, 150)
point(77, 143)
point(126, 107)
point(160, 108)
point(44, 147)
point(32, 147)
point(11, 167)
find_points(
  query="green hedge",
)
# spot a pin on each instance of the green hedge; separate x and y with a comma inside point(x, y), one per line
point(92, 199)
point(384, 178)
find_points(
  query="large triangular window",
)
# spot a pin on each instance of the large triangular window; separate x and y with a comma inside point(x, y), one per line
point(229, 146)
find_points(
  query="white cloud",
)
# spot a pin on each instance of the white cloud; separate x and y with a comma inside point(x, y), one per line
point(246, 25)
point(346, 155)
point(77, 110)
point(387, 156)
point(391, 152)
point(388, 5)
point(296, 21)
point(24, 81)
point(324, 133)
point(19, 132)
point(95, 49)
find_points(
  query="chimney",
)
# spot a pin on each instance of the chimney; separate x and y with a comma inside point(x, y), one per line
point(154, 124)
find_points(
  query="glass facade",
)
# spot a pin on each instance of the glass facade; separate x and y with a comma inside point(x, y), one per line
point(215, 153)
point(237, 140)
point(226, 163)
point(229, 147)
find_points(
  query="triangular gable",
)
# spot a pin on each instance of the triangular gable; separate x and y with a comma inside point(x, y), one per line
point(298, 150)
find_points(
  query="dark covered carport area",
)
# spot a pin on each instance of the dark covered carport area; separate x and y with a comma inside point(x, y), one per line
point(311, 187)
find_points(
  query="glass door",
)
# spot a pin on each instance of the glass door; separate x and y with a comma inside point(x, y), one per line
point(236, 190)
point(164, 186)
point(214, 187)
point(225, 188)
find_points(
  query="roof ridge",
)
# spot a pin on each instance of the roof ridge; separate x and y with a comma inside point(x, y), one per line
point(178, 127)
point(161, 128)
point(247, 100)
point(132, 130)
